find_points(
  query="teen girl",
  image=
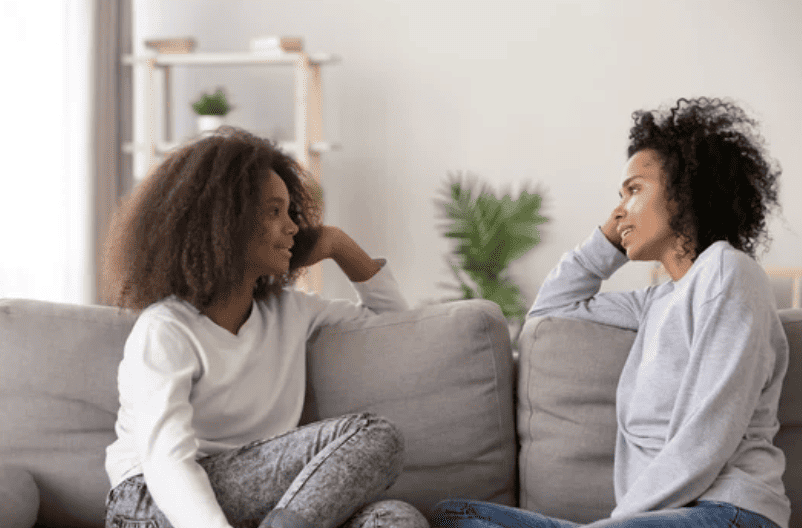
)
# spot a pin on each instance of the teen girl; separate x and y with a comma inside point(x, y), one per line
point(212, 380)
point(697, 398)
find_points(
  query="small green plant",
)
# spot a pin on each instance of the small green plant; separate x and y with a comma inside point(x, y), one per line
point(215, 104)
point(490, 233)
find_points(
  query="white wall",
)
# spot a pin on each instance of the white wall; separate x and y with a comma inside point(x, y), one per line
point(515, 91)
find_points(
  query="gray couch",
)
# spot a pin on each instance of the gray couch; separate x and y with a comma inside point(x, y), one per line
point(444, 373)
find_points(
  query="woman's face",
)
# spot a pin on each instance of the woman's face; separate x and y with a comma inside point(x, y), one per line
point(269, 250)
point(644, 210)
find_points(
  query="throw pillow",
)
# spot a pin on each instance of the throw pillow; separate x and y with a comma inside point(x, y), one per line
point(19, 497)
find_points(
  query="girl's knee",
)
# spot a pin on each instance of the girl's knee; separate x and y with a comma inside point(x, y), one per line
point(388, 438)
point(388, 513)
point(383, 443)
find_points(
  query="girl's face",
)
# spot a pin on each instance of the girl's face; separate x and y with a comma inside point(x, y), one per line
point(644, 210)
point(269, 250)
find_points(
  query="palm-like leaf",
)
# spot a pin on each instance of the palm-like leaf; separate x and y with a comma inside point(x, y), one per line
point(489, 233)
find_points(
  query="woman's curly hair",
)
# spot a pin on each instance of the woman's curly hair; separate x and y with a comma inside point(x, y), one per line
point(184, 230)
point(718, 173)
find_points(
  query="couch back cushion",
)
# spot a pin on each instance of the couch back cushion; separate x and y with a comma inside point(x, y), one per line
point(789, 438)
point(444, 375)
point(58, 401)
point(567, 377)
point(568, 374)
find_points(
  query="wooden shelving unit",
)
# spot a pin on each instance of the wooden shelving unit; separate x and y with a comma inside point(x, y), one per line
point(155, 119)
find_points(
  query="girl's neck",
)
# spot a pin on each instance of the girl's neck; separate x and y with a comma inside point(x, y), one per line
point(231, 312)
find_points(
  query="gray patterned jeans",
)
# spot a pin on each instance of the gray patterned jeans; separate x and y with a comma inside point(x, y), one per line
point(320, 475)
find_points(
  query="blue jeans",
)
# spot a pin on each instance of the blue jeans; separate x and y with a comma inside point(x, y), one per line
point(701, 514)
point(323, 475)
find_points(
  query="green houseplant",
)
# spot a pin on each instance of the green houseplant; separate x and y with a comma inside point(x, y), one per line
point(211, 109)
point(214, 104)
point(490, 233)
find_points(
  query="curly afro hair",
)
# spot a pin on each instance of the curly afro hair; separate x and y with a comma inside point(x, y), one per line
point(183, 231)
point(718, 173)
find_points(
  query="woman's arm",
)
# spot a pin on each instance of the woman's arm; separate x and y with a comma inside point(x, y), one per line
point(572, 288)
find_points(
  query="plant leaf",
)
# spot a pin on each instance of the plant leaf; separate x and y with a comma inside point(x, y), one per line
point(489, 233)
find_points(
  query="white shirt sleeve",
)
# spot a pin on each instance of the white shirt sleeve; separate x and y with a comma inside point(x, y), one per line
point(156, 377)
point(377, 295)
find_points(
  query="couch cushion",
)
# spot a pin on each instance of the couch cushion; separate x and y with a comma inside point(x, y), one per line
point(789, 438)
point(19, 497)
point(58, 399)
point(443, 374)
point(567, 376)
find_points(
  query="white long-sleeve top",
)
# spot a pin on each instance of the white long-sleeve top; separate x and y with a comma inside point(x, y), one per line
point(697, 399)
point(190, 388)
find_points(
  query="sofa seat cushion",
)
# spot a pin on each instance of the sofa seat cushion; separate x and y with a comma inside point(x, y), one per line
point(443, 374)
point(19, 497)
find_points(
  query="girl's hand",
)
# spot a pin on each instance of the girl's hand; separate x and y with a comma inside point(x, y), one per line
point(322, 247)
point(333, 243)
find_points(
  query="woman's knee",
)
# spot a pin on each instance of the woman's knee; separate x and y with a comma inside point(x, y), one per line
point(448, 508)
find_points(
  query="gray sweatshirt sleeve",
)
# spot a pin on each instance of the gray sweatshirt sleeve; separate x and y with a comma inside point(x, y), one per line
point(572, 288)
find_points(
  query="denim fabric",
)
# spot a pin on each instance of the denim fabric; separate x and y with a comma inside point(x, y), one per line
point(702, 514)
point(321, 473)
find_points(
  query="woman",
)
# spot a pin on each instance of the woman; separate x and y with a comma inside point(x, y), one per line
point(212, 379)
point(697, 398)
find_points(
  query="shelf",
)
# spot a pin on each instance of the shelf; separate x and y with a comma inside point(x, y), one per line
point(229, 59)
point(164, 147)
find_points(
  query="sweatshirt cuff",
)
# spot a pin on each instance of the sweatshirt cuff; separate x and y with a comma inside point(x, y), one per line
point(603, 257)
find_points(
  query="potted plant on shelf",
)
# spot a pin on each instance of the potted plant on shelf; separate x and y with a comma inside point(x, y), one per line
point(490, 233)
point(211, 110)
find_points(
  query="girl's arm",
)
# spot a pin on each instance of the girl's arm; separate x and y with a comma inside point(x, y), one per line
point(373, 282)
point(155, 380)
point(335, 244)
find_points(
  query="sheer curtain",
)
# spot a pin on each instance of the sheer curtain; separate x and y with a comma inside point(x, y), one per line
point(60, 171)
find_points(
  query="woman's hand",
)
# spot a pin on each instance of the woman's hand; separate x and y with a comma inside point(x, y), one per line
point(333, 243)
point(610, 230)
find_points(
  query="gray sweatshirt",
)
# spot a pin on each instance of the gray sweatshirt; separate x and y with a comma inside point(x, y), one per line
point(697, 398)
